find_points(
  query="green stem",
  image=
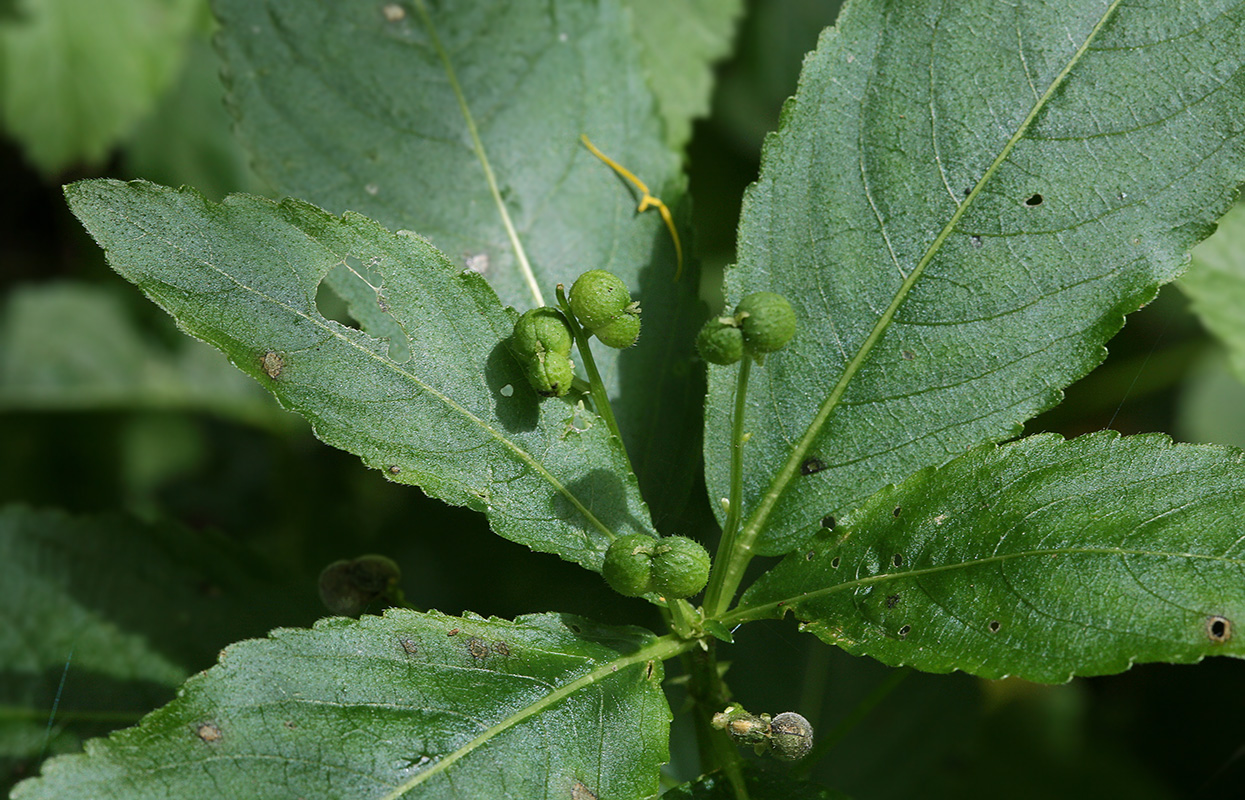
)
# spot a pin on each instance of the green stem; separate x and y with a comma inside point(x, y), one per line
point(600, 400)
point(863, 708)
point(721, 590)
point(709, 695)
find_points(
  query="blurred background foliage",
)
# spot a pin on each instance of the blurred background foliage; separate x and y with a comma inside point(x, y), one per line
point(106, 408)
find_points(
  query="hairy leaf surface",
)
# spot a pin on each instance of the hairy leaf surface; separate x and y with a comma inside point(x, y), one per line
point(76, 75)
point(462, 121)
point(1041, 559)
point(405, 705)
point(962, 203)
point(125, 612)
point(1216, 284)
point(457, 417)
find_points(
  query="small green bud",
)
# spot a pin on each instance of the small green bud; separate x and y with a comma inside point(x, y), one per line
point(542, 330)
point(550, 374)
point(720, 341)
point(742, 727)
point(602, 304)
point(791, 736)
point(767, 321)
point(680, 567)
point(349, 587)
point(620, 332)
point(628, 567)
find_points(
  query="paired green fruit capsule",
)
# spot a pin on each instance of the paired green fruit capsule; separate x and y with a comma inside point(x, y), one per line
point(603, 305)
point(674, 566)
point(542, 340)
point(763, 322)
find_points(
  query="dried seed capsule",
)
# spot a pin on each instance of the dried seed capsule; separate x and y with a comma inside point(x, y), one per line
point(791, 736)
point(767, 321)
point(628, 567)
point(720, 341)
point(680, 567)
point(602, 304)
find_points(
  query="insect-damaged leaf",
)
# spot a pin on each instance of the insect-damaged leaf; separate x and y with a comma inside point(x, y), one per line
point(962, 203)
point(462, 121)
point(1042, 559)
point(418, 705)
point(456, 418)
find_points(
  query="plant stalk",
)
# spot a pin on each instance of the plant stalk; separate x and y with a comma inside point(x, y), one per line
point(718, 596)
point(600, 399)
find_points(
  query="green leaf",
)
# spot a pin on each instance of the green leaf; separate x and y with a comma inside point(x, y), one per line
point(679, 43)
point(122, 612)
point(762, 785)
point(1041, 559)
point(457, 419)
point(75, 347)
point(962, 207)
point(1215, 284)
point(1210, 403)
point(462, 121)
point(78, 74)
point(187, 138)
point(407, 704)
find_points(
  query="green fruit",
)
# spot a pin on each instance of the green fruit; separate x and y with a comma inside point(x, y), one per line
point(720, 341)
point(628, 567)
point(550, 374)
point(620, 332)
point(680, 567)
point(767, 321)
point(791, 736)
point(542, 330)
point(597, 297)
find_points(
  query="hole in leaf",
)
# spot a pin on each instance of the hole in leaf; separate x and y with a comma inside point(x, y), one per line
point(352, 294)
point(1034, 200)
point(908, 355)
point(1219, 629)
point(898, 509)
point(809, 555)
point(994, 626)
point(828, 522)
point(897, 559)
point(905, 630)
point(812, 465)
point(834, 563)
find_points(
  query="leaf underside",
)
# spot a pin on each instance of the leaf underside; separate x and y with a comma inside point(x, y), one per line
point(962, 203)
point(1042, 559)
point(418, 705)
point(462, 121)
point(456, 417)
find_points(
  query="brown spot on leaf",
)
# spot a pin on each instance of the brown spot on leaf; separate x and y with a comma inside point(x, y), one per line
point(812, 465)
point(208, 732)
point(1218, 629)
point(273, 364)
point(452, 632)
point(394, 469)
point(581, 792)
point(409, 646)
point(477, 648)
point(501, 649)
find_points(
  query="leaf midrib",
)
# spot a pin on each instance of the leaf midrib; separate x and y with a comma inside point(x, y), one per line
point(478, 146)
point(658, 650)
point(790, 469)
point(762, 611)
point(519, 452)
